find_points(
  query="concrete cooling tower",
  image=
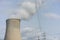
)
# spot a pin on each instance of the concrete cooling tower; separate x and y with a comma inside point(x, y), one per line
point(12, 29)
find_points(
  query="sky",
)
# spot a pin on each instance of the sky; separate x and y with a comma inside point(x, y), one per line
point(49, 18)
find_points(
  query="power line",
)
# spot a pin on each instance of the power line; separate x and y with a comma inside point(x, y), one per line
point(38, 15)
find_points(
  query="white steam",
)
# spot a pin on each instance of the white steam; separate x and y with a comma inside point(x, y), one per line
point(29, 6)
point(26, 9)
point(20, 13)
point(23, 13)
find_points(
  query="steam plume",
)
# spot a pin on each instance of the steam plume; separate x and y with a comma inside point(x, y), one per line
point(29, 6)
point(27, 9)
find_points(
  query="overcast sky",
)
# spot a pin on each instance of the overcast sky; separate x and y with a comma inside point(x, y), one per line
point(49, 15)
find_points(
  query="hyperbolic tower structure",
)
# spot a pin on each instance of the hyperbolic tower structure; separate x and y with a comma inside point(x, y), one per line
point(12, 29)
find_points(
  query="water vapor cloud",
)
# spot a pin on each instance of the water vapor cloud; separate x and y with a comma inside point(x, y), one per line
point(27, 9)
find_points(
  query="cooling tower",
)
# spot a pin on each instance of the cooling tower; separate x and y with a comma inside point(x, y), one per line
point(12, 29)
